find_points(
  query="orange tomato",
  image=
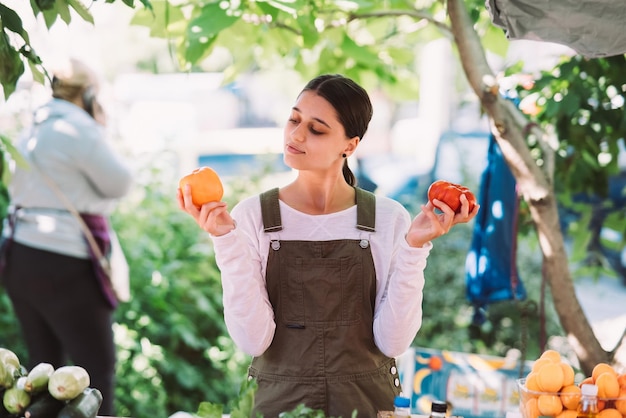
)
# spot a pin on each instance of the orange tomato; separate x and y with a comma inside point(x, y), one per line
point(450, 194)
point(206, 186)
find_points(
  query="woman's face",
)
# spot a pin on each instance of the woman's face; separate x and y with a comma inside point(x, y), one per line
point(314, 137)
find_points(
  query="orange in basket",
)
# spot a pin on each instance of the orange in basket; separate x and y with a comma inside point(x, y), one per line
point(549, 405)
point(570, 396)
point(550, 377)
point(609, 413)
point(602, 368)
point(620, 404)
point(553, 355)
point(608, 386)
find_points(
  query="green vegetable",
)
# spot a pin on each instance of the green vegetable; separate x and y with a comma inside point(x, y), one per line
point(3, 411)
point(9, 367)
point(8, 374)
point(16, 400)
point(8, 357)
point(85, 405)
point(37, 379)
point(44, 405)
point(67, 382)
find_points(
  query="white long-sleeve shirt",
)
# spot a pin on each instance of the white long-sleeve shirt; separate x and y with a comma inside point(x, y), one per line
point(242, 256)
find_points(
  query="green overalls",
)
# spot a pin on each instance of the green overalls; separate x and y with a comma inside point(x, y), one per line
point(323, 352)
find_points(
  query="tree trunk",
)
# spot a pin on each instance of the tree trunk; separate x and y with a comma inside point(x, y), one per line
point(509, 127)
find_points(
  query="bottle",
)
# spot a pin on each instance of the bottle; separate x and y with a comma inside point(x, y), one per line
point(85, 405)
point(401, 407)
point(438, 409)
point(588, 407)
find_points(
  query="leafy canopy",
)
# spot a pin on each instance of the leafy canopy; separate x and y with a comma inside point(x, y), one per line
point(16, 50)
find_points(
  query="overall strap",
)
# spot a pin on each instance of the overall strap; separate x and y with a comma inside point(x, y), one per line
point(366, 210)
point(365, 201)
point(270, 210)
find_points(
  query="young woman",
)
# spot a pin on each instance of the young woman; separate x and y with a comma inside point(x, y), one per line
point(323, 281)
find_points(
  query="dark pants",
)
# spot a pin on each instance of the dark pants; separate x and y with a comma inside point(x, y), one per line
point(62, 314)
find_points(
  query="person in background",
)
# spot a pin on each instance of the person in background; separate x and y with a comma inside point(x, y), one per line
point(322, 281)
point(48, 273)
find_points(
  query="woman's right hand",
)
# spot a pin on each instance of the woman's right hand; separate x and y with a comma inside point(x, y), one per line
point(213, 217)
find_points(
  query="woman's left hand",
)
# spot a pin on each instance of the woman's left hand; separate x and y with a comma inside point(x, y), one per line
point(428, 224)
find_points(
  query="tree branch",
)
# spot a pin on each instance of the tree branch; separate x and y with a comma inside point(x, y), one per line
point(410, 13)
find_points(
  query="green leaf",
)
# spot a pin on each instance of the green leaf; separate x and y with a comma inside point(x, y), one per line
point(163, 19)
point(495, 41)
point(401, 56)
point(64, 10)
point(81, 9)
point(310, 35)
point(283, 5)
point(245, 402)
point(360, 53)
point(203, 30)
point(49, 17)
point(210, 410)
point(36, 9)
point(147, 4)
point(13, 152)
point(570, 103)
point(210, 22)
point(12, 21)
point(45, 4)
point(38, 75)
point(11, 65)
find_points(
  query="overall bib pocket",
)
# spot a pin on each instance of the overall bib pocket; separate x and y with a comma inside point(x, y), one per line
point(321, 291)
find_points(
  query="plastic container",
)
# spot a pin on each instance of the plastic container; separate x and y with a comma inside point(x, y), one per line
point(402, 407)
point(528, 402)
point(438, 409)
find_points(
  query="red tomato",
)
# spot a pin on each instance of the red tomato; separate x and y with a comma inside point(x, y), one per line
point(450, 194)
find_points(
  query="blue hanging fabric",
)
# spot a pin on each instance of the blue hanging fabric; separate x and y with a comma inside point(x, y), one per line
point(490, 266)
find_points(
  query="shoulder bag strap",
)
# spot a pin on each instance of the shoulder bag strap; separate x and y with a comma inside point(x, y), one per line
point(83, 226)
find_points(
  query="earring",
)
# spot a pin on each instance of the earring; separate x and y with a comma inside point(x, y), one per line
point(344, 155)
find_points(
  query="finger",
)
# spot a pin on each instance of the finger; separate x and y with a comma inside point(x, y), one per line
point(212, 209)
point(442, 206)
point(188, 201)
point(435, 219)
point(179, 198)
point(464, 206)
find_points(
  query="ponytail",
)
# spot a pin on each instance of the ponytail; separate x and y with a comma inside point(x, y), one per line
point(348, 175)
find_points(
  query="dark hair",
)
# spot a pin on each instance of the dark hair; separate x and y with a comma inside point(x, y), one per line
point(352, 104)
